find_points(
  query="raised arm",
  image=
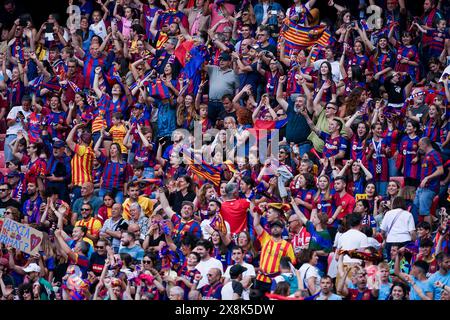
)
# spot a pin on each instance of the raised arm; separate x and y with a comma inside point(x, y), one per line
point(281, 101)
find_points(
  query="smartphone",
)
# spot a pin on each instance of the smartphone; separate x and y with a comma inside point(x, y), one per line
point(273, 12)
point(49, 27)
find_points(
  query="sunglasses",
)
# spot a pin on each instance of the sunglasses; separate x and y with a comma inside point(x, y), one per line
point(8, 212)
point(146, 261)
point(98, 247)
point(280, 114)
point(85, 209)
point(3, 190)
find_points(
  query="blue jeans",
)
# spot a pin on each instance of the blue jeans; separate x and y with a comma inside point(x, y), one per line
point(422, 202)
point(381, 187)
point(214, 108)
point(393, 172)
point(8, 152)
point(118, 197)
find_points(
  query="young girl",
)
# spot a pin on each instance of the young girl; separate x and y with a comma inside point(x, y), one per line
point(377, 153)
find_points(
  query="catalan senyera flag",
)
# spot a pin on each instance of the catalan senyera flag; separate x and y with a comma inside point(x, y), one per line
point(299, 37)
point(206, 171)
point(218, 223)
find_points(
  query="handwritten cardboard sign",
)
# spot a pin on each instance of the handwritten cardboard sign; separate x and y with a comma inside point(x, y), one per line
point(20, 236)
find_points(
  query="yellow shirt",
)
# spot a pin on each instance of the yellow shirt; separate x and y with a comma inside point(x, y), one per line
point(93, 225)
point(118, 133)
point(145, 203)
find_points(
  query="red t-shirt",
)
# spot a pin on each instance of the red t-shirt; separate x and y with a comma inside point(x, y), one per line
point(235, 213)
point(347, 202)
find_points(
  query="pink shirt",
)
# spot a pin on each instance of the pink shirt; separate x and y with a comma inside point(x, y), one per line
point(217, 15)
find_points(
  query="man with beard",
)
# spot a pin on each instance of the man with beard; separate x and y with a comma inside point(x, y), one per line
point(87, 197)
point(441, 277)
point(112, 228)
point(207, 263)
point(326, 285)
point(343, 200)
point(5, 197)
point(297, 129)
point(273, 248)
point(361, 292)
point(183, 222)
point(31, 206)
point(213, 215)
point(92, 224)
point(134, 197)
point(58, 170)
point(128, 245)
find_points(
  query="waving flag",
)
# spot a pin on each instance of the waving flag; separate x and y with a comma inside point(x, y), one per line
point(36, 83)
point(52, 85)
point(299, 37)
point(158, 89)
point(262, 128)
point(206, 171)
point(191, 58)
point(218, 224)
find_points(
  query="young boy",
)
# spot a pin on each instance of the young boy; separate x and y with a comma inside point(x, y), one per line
point(385, 285)
point(438, 37)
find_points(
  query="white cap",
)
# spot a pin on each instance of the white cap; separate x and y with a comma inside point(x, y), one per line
point(32, 267)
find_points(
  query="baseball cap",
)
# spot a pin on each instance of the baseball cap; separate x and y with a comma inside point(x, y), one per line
point(59, 144)
point(32, 267)
point(236, 270)
point(278, 223)
point(225, 56)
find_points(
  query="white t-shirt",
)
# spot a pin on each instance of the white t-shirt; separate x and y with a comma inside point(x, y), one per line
point(335, 69)
point(204, 267)
point(207, 222)
point(14, 129)
point(350, 240)
point(99, 29)
point(227, 291)
point(400, 227)
point(250, 272)
point(307, 271)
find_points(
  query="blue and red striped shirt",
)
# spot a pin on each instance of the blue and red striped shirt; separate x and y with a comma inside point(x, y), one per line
point(428, 165)
point(115, 174)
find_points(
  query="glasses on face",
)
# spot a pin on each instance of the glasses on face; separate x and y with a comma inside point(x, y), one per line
point(3, 190)
point(146, 261)
point(85, 209)
point(8, 212)
point(282, 152)
point(280, 114)
point(99, 247)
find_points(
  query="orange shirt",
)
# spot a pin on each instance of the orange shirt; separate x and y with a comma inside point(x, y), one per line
point(93, 225)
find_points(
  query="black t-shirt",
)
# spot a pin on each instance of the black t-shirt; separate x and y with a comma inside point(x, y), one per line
point(395, 91)
point(96, 263)
point(10, 203)
point(176, 199)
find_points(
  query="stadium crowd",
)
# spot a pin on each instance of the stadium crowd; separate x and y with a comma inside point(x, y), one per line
point(101, 119)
